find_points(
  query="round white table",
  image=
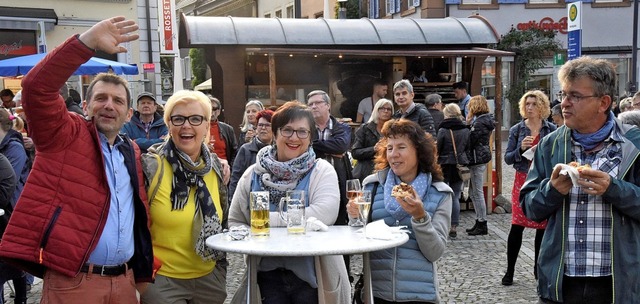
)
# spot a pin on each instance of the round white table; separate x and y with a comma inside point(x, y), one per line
point(338, 240)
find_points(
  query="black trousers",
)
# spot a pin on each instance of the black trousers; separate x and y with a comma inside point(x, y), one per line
point(585, 290)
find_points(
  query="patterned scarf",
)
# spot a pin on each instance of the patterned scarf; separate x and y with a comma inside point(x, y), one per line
point(278, 177)
point(591, 140)
point(421, 183)
point(187, 174)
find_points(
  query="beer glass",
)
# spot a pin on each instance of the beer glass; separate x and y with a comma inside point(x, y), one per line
point(259, 206)
point(291, 211)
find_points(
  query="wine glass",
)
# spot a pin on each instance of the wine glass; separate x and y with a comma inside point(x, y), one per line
point(364, 205)
point(354, 189)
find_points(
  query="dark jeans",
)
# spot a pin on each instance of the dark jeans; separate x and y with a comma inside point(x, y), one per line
point(585, 290)
point(381, 301)
point(282, 286)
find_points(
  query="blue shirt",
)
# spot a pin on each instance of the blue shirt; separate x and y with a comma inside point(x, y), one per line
point(464, 105)
point(116, 245)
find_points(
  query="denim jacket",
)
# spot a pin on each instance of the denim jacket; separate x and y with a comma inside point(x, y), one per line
point(513, 154)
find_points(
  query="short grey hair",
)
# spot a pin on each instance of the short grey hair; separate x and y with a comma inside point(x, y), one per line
point(325, 96)
point(432, 99)
point(601, 72)
point(403, 84)
point(556, 110)
point(630, 117)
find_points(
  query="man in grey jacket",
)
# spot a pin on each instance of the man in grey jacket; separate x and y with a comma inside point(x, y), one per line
point(590, 249)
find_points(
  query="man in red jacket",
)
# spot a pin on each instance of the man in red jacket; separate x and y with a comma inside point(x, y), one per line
point(82, 220)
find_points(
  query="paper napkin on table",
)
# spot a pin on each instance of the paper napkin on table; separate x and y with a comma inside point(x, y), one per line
point(571, 171)
point(316, 225)
point(381, 231)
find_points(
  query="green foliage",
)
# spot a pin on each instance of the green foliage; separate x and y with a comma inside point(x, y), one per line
point(198, 66)
point(531, 47)
point(353, 9)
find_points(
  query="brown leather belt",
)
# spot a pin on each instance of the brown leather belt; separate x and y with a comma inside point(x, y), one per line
point(106, 270)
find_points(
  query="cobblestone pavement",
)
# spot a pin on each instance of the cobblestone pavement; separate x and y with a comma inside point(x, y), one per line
point(470, 270)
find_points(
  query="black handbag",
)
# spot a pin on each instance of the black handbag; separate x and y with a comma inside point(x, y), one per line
point(463, 171)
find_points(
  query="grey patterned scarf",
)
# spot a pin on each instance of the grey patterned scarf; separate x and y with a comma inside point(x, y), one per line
point(187, 174)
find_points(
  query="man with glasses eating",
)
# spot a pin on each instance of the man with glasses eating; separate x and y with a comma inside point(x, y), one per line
point(589, 251)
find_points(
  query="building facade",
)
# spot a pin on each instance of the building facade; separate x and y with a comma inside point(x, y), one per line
point(23, 21)
point(607, 31)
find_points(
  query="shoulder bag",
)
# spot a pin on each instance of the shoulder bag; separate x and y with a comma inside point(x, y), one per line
point(463, 171)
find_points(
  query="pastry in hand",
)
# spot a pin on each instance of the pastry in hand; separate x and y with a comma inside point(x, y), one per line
point(402, 190)
point(579, 167)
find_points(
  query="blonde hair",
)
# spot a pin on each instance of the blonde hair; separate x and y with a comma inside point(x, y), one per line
point(18, 124)
point(381, 102)
point(542, 103)
point(244, 127)
point(185, 97)
point(452, 110)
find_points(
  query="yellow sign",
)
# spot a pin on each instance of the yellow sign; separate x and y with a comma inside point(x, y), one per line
point(573, 12)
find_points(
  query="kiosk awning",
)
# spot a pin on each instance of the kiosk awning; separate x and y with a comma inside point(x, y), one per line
point(198, 31)
point(472, 51)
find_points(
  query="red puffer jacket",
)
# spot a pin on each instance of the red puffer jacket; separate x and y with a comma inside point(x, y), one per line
point(63, 209)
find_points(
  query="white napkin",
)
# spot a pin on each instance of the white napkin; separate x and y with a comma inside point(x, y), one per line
point(379, 230)
point(529, 153)
point(571, 171)
point(316, 225)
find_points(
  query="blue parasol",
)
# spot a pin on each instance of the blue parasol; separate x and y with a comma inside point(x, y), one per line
point(23, 64)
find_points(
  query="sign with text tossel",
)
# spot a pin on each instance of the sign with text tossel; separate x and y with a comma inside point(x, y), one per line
point(167, 27)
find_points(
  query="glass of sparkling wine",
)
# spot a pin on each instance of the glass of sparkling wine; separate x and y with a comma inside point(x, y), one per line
point(364, 205)
point(354, 190)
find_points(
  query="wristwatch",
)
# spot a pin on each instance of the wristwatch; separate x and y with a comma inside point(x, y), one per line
point(420, 220)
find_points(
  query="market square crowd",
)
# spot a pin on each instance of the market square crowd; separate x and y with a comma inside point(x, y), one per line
point(111, 205)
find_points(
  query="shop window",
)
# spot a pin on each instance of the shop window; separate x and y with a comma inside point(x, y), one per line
point(608, 1)
point(267, 15)
point(279, 14)
point(544, 1)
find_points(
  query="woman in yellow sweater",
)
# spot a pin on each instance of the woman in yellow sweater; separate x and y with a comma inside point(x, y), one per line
point(188, 203)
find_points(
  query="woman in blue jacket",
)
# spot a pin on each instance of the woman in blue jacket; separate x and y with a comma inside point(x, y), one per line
point(408, 274)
